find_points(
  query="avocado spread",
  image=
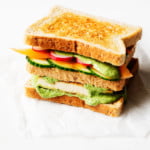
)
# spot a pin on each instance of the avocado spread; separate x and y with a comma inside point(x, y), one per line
point(95, 96)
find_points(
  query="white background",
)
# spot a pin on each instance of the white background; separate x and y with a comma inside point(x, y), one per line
point(15, 16)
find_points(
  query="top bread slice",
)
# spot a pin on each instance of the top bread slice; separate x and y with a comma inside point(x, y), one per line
point(71, 31)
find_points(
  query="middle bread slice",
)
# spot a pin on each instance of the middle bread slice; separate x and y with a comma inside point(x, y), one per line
point(76, 77)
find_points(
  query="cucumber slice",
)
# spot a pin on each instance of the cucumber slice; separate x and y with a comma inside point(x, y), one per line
point(64, 53)
point(71, 66)
point(58, 65)
point(43, 63)
point(97, 73)
point(105, 70)
point(85, 59)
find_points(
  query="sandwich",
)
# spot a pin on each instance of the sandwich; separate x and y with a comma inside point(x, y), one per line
point(80, 60)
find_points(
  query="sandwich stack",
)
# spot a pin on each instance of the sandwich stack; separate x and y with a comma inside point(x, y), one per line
point(80, 60)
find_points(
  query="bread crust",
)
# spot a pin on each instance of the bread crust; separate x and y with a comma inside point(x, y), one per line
point(133, 38)
point(75, 77)
point(51, 43)
point(113, 110)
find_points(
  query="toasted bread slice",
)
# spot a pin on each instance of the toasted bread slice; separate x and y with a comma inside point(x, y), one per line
point(113, 109)
point(72, 31)
point(75, 77)
point(81, 77)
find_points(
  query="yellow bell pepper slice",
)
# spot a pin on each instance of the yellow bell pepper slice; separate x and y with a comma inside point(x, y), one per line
point(32, 54)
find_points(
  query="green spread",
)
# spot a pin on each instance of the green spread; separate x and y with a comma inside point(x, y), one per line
point(49, 93)
point(96, 95)
point(50, 80)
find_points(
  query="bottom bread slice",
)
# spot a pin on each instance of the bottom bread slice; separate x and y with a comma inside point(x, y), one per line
point(113, 109)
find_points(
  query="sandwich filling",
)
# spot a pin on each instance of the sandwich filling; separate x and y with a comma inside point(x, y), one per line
point(40, 57)
point(48, 87)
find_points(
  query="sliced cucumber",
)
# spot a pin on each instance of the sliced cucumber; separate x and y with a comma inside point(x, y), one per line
point(97, 73)
point(84, 59)
point(101, 69)
point(64, 53)
point(43, 63)
point(58, 65)
point(71, 66)
point(106, 71)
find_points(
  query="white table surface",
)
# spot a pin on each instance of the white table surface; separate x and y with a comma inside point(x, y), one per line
point(17, 128)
